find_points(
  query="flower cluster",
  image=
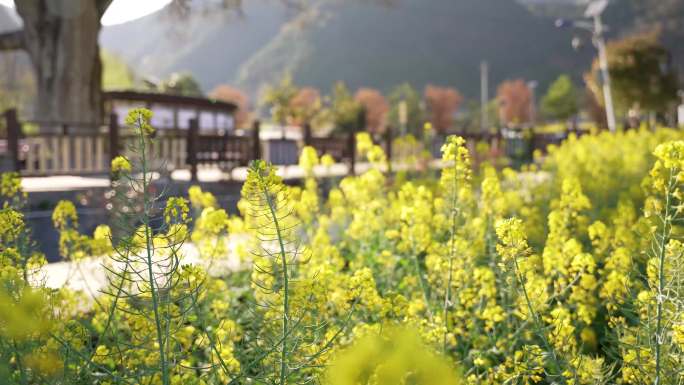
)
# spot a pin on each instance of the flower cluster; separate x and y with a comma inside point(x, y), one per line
point(11, 191)
point(139, 119)
point(545, 275)
point(121, 164)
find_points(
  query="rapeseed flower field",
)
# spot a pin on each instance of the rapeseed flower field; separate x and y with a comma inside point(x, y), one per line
point(568, 271)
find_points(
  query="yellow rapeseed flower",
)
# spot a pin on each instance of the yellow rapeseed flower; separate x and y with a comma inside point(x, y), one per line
point(139, 119)
point(121, 164)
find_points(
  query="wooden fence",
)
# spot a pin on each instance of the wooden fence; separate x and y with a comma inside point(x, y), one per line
point(77, 149)
point(81, 149)
point(341, 147)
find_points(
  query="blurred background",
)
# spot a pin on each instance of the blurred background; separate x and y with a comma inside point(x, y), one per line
point(230, 81)
point(492, 63)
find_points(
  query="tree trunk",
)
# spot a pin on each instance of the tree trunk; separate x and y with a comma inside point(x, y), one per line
point(61, 37)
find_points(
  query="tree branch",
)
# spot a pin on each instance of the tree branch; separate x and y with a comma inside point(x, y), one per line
point(14, 40)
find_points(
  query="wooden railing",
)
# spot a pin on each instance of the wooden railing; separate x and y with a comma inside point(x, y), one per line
point(337, 147)
point(78, 149)
point(341, 148)
point(167, 152)
point(59, 154)
point(223, 151)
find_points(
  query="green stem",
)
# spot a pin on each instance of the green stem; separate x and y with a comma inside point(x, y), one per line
point(537, 321)
point(89, 360)
point(664, 237)
point(20, 366)
point(149, 247)
point(447, 295)
point(452, 254)
point(286, 304)
point(423, 286)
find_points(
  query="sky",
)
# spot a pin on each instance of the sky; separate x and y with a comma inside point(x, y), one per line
point(122, 10)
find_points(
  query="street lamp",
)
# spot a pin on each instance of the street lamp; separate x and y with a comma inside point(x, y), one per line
point(403, 116)
point(597, 29)
point(532, 85)
point(680, 110)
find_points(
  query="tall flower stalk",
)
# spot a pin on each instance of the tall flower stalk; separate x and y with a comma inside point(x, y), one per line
point(282, 287)
point(145, 273)
point(664, 270)
point(513, 246)
point(275, 226)
point(455, 177)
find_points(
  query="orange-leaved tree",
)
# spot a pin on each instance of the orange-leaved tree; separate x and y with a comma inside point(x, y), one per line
point(376, 109)
point(236, 96)
point(442, 103)
point(515, 102)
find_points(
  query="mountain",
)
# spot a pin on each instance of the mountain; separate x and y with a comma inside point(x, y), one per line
point(420, 41)
point(376, 43)
point(210, 44)
point(364, 43)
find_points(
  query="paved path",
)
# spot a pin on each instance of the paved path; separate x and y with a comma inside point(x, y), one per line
point(62, 183)
point(205, 175)
point(90, 276)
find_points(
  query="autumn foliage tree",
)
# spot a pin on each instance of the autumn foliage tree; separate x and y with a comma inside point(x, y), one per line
point(233, 95)
point(515, 101)
point(376, 109)
point(305, 105)
point(442, 103)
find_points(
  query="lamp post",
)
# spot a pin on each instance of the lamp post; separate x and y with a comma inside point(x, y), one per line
point(484, 96)
point(680, 110)
point(403, 116)
point(532, 85)
point(596, 27)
